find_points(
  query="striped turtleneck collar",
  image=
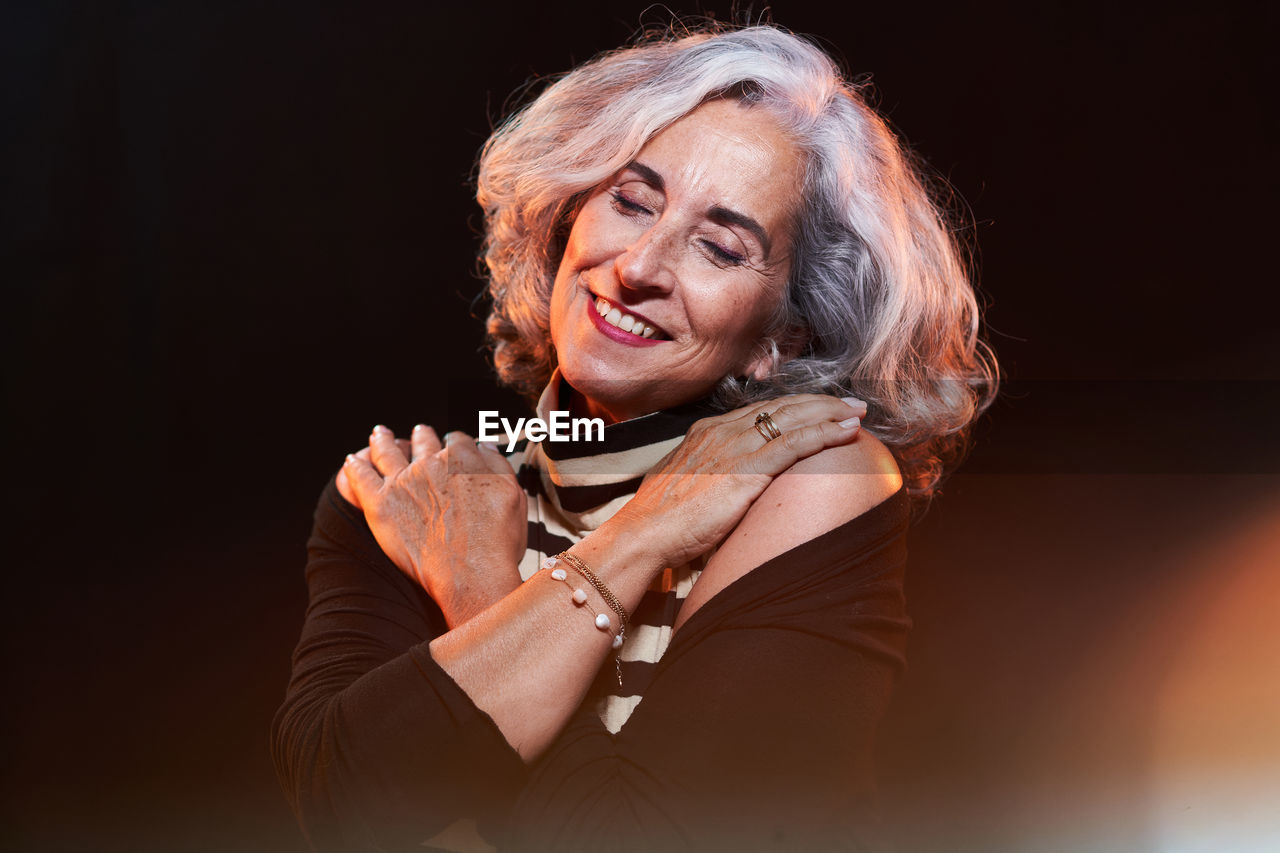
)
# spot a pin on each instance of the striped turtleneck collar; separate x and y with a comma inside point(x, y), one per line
point(587, 480)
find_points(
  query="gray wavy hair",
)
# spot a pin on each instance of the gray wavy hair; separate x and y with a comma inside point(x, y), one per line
point(878, 303)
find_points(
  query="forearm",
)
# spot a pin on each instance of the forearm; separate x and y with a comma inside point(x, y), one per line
point(374, 745)
point(392, 759)
point(528, 660)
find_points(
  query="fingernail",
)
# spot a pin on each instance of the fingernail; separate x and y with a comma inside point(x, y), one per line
point(379, 428)
point(489, 445)
point(350, 459)
point(855, 402)
point(851, 423)
point(419, 428)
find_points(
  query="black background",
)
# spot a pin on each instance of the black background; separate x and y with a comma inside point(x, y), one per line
point(238, 235)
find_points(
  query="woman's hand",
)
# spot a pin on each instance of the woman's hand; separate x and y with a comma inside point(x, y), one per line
point(697, 495)
point(451, 516)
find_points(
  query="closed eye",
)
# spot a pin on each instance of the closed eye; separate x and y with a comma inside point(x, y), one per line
point(723, 255)
point(626, 206)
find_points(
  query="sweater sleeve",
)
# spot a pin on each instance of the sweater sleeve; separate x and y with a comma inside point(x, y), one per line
point(375, 746)
point(757, 731)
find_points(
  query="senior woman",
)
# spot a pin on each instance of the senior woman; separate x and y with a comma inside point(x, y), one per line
point(681, 636)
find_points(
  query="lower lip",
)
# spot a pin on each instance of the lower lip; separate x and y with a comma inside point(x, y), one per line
point(615, 333)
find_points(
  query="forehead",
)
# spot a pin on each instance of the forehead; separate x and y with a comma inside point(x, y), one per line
point(727, 153)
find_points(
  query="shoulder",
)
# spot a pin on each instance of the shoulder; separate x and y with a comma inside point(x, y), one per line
point(833, 486)
point(813, 496)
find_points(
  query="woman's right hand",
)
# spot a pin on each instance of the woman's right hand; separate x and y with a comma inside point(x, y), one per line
point(697, 495)
point(450, 515)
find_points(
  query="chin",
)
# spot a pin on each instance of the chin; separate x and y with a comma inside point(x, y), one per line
point(612, 399)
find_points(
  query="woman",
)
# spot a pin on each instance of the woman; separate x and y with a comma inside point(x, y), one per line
point(681, 636)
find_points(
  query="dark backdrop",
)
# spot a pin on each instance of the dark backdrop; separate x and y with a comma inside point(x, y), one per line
point(237, 235)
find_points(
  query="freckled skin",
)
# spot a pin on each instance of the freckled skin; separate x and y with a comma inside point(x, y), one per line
point(708, 284)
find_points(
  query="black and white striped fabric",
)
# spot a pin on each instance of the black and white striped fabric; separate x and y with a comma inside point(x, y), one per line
point(574, 487)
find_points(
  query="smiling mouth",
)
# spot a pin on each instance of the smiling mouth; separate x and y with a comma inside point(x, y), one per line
point(615, 316)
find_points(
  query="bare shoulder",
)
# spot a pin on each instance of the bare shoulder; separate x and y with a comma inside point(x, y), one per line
point(850, 478)
point(815, 495)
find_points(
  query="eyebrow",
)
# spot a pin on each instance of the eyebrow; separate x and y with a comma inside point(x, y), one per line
point(648, 174)
point(725, 216)
point(719, 214)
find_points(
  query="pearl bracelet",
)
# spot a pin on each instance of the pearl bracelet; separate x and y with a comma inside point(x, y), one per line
point(609, 598)
point(602, 620)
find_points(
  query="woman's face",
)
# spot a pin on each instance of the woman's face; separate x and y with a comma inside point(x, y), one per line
point(691, 240)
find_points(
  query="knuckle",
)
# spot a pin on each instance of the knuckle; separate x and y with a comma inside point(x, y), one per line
point(792, 439)
point(800, 439)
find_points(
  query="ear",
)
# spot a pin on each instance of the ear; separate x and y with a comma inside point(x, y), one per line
point(773, 352)
point(760, 362)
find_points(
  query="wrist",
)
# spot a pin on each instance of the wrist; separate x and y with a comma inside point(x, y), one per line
point(462, 596)
point(619, 553)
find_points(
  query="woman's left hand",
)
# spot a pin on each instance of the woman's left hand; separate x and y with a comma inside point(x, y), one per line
point(451, 516)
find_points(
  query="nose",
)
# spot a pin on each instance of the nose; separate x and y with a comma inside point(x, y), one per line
point(647, 264)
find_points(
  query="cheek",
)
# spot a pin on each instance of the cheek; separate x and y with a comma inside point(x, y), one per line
point(584, 237)
point(748, 324)
point(738, 317)
point(573, 260)
point(598, 237)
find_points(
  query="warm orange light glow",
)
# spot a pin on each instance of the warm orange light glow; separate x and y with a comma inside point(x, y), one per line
point(1215, 768)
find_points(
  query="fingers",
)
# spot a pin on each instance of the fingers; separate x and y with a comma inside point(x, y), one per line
point(345, 489)
point(801, 409)
point(807, 424)
point(362, 477)
point(365, 472)
point(793, 415)
point(778, 455)
point(387, 456)
point(390, 455)
point(467, 456)
point(788, 414)
point(424, 442)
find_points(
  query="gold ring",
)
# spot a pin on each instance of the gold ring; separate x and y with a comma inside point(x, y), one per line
point(766, 427)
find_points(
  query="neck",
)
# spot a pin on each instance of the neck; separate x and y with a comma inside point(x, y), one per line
point(580, 406)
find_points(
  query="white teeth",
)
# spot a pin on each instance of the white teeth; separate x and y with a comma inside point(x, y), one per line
point(614, 317)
